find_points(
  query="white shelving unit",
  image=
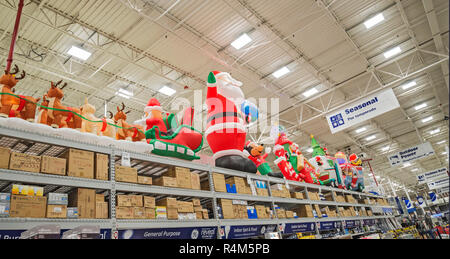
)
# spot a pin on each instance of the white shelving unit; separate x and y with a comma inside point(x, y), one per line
point(53, 182)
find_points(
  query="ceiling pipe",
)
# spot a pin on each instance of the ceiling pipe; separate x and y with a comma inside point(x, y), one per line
point(14, 36)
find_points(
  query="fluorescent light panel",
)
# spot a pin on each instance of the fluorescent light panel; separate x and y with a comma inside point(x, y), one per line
point(123, 95)
point(385, 148)
point(421, 106)
point(310, 92)
point(361, 130)
point(427, 119)
point(281, 72)
point(309, 150)
point(126, 92)
point(409, 85)
point(240, 42)
point(371, 138)
point(167, 91)
point(374, 21)
point(79, 53)
point(432, 132)
point(440, 142)
point(392, 52)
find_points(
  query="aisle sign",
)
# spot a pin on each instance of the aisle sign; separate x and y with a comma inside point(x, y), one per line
point(233, 232)
point(299, 227)
point(170, 233)
point(432, 196)
point(442, 190)
point(352, 223)
point(411, 154)
point(433, 175)
point(362, 110)
point(329, 225)
point(420, 201)
point(369, 222)
point(438, 184)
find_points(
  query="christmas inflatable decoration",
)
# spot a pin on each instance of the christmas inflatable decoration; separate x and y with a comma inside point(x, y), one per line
point(167, 137)
point(43, 113)
point(91, 124)
point(127, 131)
point(352, 170)
point(325, 166)
point(225, 130)
point(61, 116)
point(12, 105)
point(255, 153)
point(250, 112)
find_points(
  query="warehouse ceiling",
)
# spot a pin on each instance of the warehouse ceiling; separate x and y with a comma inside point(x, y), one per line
point(142, 45)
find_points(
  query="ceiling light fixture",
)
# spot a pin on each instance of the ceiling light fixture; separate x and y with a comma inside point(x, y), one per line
point(374, 21)
point(167, 91)
point(309, 150)
point(79, 53)
point(427, 119)
point(421, 106)
point(385, 148)
point(310, 92)
point(240, 42)
point(281, 72)
point(392, 52)
point(361, 130)
point(124, 93)
point(409, 85)
point(432, 132)
point(371, 138)
point(440, 142)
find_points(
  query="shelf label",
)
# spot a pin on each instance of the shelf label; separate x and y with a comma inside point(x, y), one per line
point(126, 159)
point(299, 227)
point(233, 232)
point(15, 234)
point(329, 225)
point(170, 233)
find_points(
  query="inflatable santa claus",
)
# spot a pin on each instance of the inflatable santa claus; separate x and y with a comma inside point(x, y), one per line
point(225, 131)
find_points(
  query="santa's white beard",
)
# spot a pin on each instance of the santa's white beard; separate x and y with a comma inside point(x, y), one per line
point(231, 92)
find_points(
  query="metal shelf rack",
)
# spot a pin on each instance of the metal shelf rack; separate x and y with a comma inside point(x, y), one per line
point(38, 144)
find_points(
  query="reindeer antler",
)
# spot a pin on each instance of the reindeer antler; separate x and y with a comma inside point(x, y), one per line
point(22, 75)
point(15, 70)
point(123, 107)
point(64, 85)
point(57, 83)
point(127, 112)
point(111, 115)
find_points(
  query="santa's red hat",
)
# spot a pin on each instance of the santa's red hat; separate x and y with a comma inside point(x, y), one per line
point(153, 104)
point(282, 139)
point(226, 76)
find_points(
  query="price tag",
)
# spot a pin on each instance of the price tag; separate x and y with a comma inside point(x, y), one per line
point(286, 183)
point(126, 159)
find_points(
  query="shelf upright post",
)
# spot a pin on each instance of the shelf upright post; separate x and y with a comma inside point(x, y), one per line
point(269, 188)
point(214, 201)
point(112, 196)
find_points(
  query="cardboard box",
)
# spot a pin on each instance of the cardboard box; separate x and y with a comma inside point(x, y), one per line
point(84, 199)
point(101, 210)
point(195, 181)
point(25, 162)
point(123, 200)
point(99, 198)
point(5, 155)
point(313, 195)
point(80, 163)
point(136, 200)
point(196, 202)
point(262, 192)
point(289, 214)
point(149, 202)
point(182, 175)
point(238, 182)
point(227, 208)
point(124, 212)
point(261, 212)
point(297, 195)
point(57, 198)
point(126, 174)
point(5, 208)
point(349, 198)
point(199, 215)
point(72, 212)
point(168, 203)
point(28, 206)
point(304, 210)
point(53, 165)
point(56, 211)
point(281, 213)
point(185, 207)
point(219, 182)
point(138, 212)
point(144, 180)
point(172, 213)
point(160, 212)
point(317, 209)
point(205, 214)
point(27, 190)
point(198, 208)
point(5, 197)
point(101, 167)
point(149, 213)
point(329, 196)
point(166, 181)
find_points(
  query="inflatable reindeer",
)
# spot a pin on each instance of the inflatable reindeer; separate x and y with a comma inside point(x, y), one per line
point(98, 128)
point(11, 106)
point(134, 134)
point(61, 119)
point(43, 113)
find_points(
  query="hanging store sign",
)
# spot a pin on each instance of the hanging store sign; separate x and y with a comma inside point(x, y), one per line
point(411, 154)
point(420, 201)
point(299, 227)
point(170, 233)
point(329, 225)
point(433, 175)
point(234, 232)
point(442, 190)
point(362, 110)
point(438, 184)
point(432, 196)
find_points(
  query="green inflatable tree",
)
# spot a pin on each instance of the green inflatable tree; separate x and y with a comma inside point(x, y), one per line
point(317, 150)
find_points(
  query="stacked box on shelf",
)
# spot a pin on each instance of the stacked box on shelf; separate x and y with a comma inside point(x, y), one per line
point(101, 167)
point(182, 175)
point(289, 214)
point(238, 182)
point(25, 162)
point(57, 205)
point(195, 181)
point(186, 210)
point(149, 207)
point(218, 183)
point(126, 174)
point(304, 211)
point(166, 181)
point(171, 206)
point(84, 200)
point(5, 204)
point(240, 209)
point(329, 196)
point(261, 211)
point(349, 198)
point(53, 165)
point(280, 190)
point(23, 206)
point(5, 155)
point(227, 208)
point(261, 188)
point(144, 180)
point(80, 163)
point(312, 194)
point(27, 190)
point(317, 210)
point(101, 207)
point(297, 195)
